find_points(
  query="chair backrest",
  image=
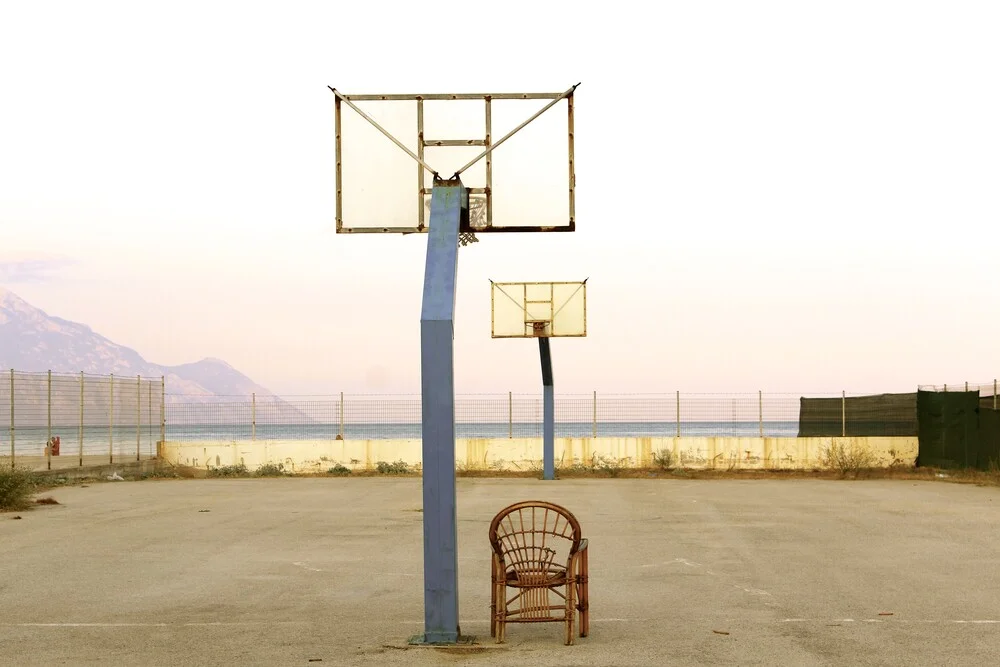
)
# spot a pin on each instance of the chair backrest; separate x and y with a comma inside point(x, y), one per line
point(530, 535)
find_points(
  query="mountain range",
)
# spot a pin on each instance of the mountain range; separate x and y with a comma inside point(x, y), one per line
point(34, 341)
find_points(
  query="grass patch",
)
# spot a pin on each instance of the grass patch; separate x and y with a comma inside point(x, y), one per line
point(158, 473)
point(848, 460)
point(238, 470)
point(16, 487)
point(48, 500)
point(664, 459)
point(270, 470)
point(340, 470)
point(396, 468)
point(241, 470)
point(609, 466)
point(993, 473)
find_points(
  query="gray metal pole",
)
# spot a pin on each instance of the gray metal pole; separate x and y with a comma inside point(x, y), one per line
point(111, 423)
point(48, 447)
point(510, 415)
point(548, 411)
point(595, 413)
point(163, 413)
point(678, 413)
point(138, 417)
point(341, 415)
point(253, 416)
point(12, 419)
point(994, 394)
point(760, 412)
point(80, 433)
point(449, 203)
point(843, 414)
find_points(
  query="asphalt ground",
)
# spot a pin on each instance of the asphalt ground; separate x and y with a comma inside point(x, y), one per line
point(301, 571)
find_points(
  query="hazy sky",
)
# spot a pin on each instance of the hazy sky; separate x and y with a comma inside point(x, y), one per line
point(787, 196)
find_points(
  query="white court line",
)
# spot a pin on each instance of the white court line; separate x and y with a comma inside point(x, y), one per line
point(888, 620)
point(148, 625)
point(306, 567)
point(486, 620)
point(685, 561)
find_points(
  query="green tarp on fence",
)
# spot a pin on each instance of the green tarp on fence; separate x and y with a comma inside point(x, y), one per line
point(877, 415)
point(957, 430)
point(949, 429)
point(989, 441)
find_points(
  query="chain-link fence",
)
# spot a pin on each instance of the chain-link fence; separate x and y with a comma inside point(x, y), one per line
point(510, 415)
point(59, 416)
point(66, 418)
point(988, 395)
point(960, 425)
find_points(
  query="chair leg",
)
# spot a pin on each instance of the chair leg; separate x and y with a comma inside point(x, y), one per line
point(570, 608)
point(493, 597)
point(584, 596)
point(500, 617)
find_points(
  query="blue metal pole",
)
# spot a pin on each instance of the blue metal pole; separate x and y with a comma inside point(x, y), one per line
point(449, 202)
point(548, 412)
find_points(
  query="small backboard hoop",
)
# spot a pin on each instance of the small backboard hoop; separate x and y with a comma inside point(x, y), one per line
point(538, 309)
point(363, 194)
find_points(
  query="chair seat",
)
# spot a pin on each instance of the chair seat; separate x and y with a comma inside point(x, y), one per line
point(551, 576)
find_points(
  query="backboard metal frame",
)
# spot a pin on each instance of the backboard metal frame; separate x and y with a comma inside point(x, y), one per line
point(518, 293)
point(479, 221)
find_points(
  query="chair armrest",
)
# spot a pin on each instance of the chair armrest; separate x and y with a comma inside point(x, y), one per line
point(498, 565)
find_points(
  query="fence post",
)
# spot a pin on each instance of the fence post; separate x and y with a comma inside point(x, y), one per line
point(994, 394)
point(966, 385)
point(678, 413)
point(80, 432)
point(595, 413)
point(843, 413)
point(760, 411)
point(12, 419)
point(111, 425)
point(48, 442)
point(163, 412)
point(138, 417)
point(341, 415)
point(149, 412)
point(253, 416)
point(510, 415)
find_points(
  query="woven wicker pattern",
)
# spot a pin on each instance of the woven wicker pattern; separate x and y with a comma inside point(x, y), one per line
point(541, 558)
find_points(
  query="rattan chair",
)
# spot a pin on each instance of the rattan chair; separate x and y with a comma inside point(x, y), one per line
point(531, 542)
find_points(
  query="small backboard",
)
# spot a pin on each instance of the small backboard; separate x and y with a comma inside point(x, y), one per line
point(513, 151)
point(538, 310)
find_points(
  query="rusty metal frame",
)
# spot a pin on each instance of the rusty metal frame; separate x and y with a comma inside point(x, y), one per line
point(487, 154)
point(582, 285)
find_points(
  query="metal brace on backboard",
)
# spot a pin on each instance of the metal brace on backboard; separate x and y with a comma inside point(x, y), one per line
point(483, 222)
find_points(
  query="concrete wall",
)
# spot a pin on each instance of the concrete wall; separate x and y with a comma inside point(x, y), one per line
point(526, 453)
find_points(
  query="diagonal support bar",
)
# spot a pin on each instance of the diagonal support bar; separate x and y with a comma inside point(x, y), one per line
point(548, 411)
point(516, 130)
point(449, 206)
point(384, 131)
